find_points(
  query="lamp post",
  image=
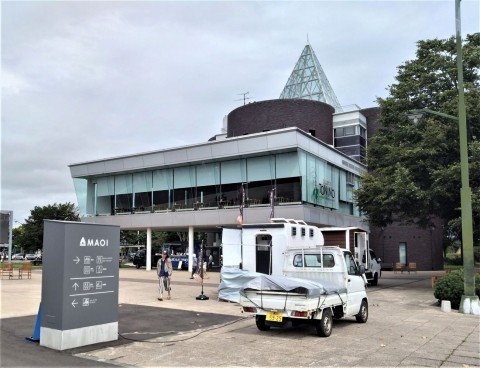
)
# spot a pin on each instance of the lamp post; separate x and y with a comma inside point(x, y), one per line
point(470, 302)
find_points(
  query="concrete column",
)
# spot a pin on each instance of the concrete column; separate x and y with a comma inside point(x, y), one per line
point(190, 248)
point(148, 255)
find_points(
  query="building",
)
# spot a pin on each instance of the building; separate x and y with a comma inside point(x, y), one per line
point(299, 157)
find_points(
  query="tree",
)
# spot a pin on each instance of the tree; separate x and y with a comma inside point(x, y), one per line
point(414, 171)
point(133, 237)
point(30, 234)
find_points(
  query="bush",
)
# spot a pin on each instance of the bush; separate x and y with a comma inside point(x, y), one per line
point(450, 287)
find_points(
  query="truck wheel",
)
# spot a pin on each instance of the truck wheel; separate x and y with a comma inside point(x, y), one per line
point(375, 280)
point(325, 324)
point(362, 315)
point(260, 321)
point(137, 265)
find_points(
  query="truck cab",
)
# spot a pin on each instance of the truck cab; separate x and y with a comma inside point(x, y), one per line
point(332, 265)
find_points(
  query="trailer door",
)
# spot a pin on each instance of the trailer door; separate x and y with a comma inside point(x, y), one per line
point(263, 254)
point(361, 249)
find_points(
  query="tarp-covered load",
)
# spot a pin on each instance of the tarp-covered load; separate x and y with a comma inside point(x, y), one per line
point(292, 285)
point(231, 281)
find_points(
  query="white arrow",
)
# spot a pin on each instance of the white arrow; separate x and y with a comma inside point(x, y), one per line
point(74, 303)
point(75, 286)
point(76, 260)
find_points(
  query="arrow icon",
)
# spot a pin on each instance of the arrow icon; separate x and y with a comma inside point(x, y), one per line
point(75, 286)
point(74, 303)
point(76, 260)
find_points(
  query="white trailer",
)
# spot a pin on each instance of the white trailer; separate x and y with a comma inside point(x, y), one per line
point(261, 247)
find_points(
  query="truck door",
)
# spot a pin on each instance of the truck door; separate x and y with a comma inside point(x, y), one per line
point(361, 249)
point(355, 285)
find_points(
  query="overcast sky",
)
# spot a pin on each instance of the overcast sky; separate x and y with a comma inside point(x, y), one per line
point(86, 80)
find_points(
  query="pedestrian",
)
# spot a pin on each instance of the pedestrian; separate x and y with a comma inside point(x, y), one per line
point(164, 272)
point(194, 265)
point(210, 262)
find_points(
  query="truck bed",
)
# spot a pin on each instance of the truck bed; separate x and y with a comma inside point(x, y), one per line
point(288, 295)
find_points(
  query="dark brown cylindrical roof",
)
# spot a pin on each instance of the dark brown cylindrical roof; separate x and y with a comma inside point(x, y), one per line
point(311, 116)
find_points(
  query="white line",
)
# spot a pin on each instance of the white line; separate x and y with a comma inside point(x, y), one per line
point(90, 277)
point(100, 292)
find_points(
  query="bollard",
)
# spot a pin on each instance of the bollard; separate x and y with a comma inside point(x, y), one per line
point(446, 306)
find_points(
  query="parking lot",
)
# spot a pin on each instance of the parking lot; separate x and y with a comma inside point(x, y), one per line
point(405, 328)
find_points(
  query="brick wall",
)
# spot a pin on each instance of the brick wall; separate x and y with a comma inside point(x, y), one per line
point(307, 115)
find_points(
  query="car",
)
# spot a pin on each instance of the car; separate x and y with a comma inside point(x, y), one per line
point(30, 257)
point(18, 257)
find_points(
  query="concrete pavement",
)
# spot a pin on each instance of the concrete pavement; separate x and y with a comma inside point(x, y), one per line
point(405, 328)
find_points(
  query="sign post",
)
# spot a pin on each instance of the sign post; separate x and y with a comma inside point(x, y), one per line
point(79, 284)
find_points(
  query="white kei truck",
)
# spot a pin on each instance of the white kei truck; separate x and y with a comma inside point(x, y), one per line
point(319, 284)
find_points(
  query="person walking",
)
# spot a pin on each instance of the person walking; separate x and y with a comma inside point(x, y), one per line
point(164, 272)
point(194, 265)
point(210, 262)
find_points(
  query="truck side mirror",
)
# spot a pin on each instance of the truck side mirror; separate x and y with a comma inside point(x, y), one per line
point(361, 269)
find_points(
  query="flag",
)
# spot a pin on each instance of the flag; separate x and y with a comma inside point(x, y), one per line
point(198, 276)
point(272, 202)
point(242, 205)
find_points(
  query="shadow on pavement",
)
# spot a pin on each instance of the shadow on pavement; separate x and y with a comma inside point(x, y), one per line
point(136, 323)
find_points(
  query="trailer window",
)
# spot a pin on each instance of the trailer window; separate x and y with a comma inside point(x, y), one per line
point(314, 260)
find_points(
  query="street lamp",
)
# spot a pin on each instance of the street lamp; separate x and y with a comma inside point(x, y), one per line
point(470, 303)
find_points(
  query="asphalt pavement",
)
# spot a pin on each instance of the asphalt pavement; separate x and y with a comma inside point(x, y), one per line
point(406, 327)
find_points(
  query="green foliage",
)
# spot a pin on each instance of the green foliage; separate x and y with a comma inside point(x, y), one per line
point(453, 259)
point(414, 171)
point(134, 237)
point(30, 235)
point(450, 287)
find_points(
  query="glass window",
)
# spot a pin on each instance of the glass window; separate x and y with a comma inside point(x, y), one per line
point(351, 265)
point(208, 174)
point(123, 184)
point(363, 132)
point(163, 179)
point(261, 168)
point(402, 252)
point(234, 171)
point(349, 130)
point(184, 177)
point(85, 207)
point(105, 186)
point(286, 165)
point(314, 260)
point(142, 182)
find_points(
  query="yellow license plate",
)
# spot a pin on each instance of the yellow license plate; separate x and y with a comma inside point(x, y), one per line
point(274, 316)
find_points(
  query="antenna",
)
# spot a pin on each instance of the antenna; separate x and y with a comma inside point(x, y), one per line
point(244, 97)
point(308, 42)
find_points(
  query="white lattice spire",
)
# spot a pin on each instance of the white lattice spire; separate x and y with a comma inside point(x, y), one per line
point(308, 81)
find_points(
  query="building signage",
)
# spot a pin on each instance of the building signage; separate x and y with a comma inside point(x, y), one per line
point(80, 283)
point(323, 191)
